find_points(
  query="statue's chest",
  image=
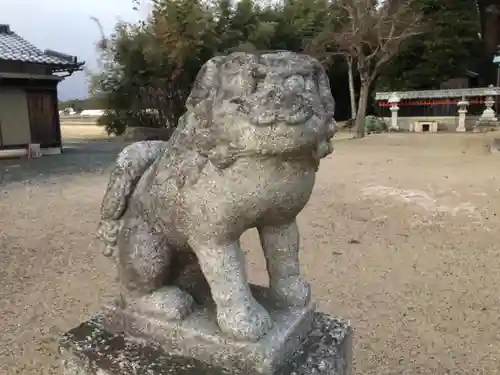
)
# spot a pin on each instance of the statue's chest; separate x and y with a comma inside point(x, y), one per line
point(275, 188)
point(288, 195)
point(249, 193)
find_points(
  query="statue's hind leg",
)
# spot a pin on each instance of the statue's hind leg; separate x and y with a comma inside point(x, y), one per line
point(144, 261)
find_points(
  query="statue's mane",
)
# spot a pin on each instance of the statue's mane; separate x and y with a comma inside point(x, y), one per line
point(209, 91)
point(200, 137)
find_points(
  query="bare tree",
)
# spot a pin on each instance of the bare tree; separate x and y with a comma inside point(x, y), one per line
point(369, 33)
point(103, 41)
point(352, 91)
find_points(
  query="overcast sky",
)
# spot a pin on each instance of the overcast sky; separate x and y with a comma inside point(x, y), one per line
point(65, 26)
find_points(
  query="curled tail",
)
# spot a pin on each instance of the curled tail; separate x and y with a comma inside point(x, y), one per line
point(130, 165)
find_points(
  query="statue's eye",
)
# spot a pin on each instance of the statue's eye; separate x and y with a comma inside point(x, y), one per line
point(294, 83)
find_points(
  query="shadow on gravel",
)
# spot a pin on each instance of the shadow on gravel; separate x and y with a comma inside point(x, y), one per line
point(79, 156)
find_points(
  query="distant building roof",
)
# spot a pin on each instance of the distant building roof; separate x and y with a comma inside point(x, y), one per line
point(15, 48)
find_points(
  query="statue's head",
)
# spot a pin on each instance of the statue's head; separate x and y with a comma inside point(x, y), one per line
point(269, 104)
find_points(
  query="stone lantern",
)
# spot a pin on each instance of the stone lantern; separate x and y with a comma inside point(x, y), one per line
point(462, 112)
point(394, 101)
point(488, 116)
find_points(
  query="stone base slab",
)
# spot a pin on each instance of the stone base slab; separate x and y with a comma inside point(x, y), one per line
point(90, 349)
point(198, 335)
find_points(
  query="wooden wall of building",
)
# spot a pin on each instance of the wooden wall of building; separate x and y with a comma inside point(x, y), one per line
point(14, 118)
point(29, 113)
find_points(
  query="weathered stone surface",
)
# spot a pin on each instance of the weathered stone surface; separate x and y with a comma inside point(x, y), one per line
point(91, 350)
point(244, 155)
point(495, 146)
point(198, 336)
point(137, 134)
point(485, 127)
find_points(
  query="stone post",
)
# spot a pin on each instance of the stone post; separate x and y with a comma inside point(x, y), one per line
point(394, 100)
point(462, 112)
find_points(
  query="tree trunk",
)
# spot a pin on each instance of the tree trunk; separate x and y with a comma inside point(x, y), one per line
point(351, 87)
point(363, 103)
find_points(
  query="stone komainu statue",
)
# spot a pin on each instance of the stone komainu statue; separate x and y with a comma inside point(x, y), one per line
point(244, 156)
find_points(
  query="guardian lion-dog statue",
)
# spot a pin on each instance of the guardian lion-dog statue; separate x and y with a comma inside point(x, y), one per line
point(244, 155)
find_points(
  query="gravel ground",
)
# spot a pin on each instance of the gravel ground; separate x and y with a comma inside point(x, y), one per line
point(399, 236)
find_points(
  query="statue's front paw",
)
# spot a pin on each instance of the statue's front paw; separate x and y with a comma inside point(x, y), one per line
point(292, 290)
point(248, 322)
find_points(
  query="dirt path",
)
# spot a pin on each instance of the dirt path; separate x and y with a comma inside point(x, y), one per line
point(400, 236)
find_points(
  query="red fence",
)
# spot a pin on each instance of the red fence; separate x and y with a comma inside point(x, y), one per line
point(442, 107)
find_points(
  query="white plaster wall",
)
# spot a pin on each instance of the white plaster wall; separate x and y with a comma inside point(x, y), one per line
point(14, 117)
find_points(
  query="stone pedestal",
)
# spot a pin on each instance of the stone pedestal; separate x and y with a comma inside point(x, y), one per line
point(198, 335)
point(90, 349)
point(424, 126)
point(326, 348)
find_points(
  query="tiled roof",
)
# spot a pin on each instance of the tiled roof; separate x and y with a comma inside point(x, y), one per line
point(15, 48)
